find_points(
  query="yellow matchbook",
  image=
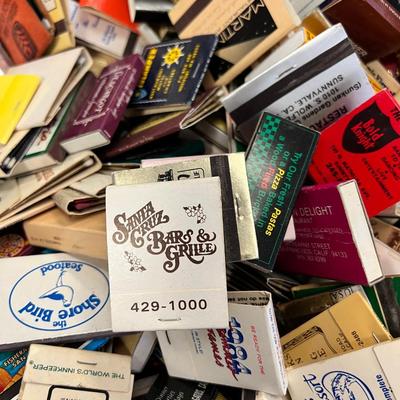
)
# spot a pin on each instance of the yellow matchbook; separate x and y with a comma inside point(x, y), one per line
point(16, 91)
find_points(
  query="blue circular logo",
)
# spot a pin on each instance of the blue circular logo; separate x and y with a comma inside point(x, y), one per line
point(345, 386)
point(59, 295)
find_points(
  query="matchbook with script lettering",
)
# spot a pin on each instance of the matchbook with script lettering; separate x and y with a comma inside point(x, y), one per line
point(364, 145)
point(166, 255)
point(246, 355)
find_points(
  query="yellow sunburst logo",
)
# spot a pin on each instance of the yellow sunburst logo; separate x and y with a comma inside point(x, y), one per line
point(172, 56)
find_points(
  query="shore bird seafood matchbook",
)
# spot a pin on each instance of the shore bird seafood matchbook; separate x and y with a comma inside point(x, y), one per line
point(52, 296)
point(166, 255)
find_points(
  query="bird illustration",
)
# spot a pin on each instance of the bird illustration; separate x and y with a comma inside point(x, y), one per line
point(341, 387)
point(61, 292)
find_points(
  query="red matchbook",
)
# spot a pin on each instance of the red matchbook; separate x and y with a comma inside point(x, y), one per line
point(364, 145)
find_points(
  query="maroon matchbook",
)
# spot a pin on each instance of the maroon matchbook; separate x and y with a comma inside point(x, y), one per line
point(97, 120)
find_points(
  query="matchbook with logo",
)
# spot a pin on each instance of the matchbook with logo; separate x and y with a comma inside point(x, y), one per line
point(166, 255)
point(52, 296)
point(367, 374)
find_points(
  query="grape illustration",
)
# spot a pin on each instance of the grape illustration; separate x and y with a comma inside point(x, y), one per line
point(196, 211)
point(134, 262)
